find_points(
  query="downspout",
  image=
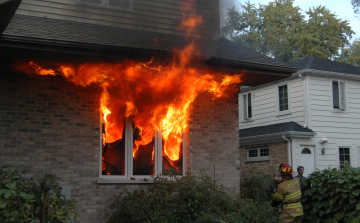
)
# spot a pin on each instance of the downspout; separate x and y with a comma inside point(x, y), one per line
point(305, 101)
point(288, 148)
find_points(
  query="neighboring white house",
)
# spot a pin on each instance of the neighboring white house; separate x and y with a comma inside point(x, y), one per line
point(316, 113)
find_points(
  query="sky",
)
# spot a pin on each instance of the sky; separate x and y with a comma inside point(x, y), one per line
point(341, 8)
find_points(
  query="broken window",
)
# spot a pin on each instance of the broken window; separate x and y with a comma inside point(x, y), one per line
point(139, 153)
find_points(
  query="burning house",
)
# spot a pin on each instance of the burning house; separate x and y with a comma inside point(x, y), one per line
point(105, 93)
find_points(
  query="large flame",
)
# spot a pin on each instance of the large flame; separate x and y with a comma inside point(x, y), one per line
point(156, 97)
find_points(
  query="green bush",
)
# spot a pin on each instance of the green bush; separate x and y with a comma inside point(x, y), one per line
point(333, 196)
point(21, 201)
point(192, 198)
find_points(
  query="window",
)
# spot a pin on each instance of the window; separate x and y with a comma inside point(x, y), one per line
point(257, 154)
point(306, 151)
point(247, 106)
point(344, 156)
point(138, 154)
point(338, 90)
point(283, 98)
point(283, 105)
point(113, 4)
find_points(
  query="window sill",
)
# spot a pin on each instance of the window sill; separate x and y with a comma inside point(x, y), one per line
point(259, 159)
point(338, 110)
point(247, 120)
point(124, 181)
point(283, 113)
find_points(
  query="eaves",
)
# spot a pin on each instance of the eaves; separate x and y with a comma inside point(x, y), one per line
point(327, 74)
point(274, 137)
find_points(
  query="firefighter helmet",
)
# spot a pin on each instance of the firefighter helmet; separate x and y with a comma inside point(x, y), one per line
point(285, 168)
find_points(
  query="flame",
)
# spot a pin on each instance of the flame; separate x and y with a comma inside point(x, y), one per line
point(155, 97)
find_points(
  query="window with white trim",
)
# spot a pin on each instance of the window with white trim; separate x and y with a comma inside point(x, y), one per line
point(138, 154)
point(283, 105)
point(247, 106)
point(338, 94)
point(257, 154)
point(112, 4)
point(344, 156)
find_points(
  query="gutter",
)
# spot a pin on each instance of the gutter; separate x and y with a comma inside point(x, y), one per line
point(305, 101)
point(327, 74)
point(288, 148)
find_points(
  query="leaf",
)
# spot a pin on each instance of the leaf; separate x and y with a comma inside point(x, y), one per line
point(358, 207)
point(7, 193)
point(355, 192)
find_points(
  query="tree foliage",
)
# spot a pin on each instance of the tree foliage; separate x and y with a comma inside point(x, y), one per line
point(356, 6)
point(333, 196)
point(21, 201)
point(192, 198)
point(350, 54)
point(281, 31)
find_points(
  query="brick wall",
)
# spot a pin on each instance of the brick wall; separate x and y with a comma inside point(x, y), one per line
point(50, 125)
point(277, 153)
point(214, 139)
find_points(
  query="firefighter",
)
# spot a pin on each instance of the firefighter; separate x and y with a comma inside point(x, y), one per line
point(288, 196)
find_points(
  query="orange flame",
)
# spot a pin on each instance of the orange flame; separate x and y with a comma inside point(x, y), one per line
point(155, 97)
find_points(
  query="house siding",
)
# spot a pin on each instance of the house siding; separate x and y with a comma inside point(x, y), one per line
point(264, 105)
point(49, 125)
point(161, 16)
point(341, 128)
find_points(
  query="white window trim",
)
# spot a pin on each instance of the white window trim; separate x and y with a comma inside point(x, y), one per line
point(342, 100)
point(349, 147)
point(258, 158)
point(128, 177)
point(105, 4)
point(244, 104)
point(277, 101)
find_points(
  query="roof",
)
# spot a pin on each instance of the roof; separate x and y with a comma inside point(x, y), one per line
point(273, 129)
point(51, 31)
point(7, 10)
point(317, 63)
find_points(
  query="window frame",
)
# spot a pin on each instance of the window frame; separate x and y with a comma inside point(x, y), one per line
point(245, 104)
point(284, 112)
point(129, 177)
point(341, 95)
point(258, 157)
point(344, 147)
point(105, 4)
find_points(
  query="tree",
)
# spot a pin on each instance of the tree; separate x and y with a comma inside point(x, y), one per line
point(350, 54)
point(279, 30)
point(356, 6)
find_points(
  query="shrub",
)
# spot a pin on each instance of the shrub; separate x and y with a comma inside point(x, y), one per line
point(21, 201)
point(190, 198)
point(333, 196)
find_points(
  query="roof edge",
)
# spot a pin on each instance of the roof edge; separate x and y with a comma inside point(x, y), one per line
point(327, 74)
point(274, 137)
point(12, 7)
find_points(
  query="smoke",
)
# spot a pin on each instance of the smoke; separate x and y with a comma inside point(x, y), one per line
point(225, 5)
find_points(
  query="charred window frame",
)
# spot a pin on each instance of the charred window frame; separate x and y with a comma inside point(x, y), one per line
point(338, 94)
point(257, 154)
point(128, 175)
point(110, 4)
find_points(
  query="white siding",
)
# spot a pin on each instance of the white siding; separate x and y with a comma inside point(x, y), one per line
point(264, 105)
point(341, 128)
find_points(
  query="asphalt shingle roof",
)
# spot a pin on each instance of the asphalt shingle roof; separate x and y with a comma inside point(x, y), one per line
point(317, 63)
point(223, 49)
point(274, 128)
